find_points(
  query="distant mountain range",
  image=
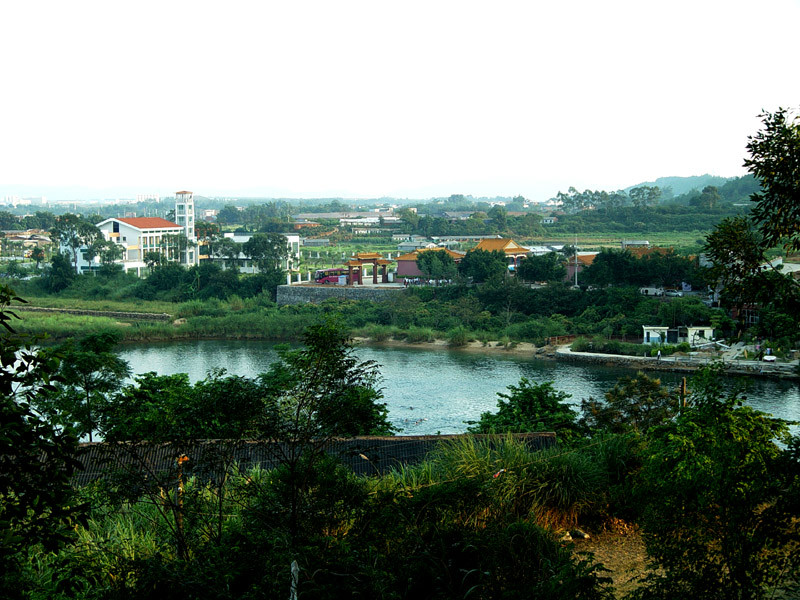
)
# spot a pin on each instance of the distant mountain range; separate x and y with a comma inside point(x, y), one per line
point(70, 193)
point(681, 185)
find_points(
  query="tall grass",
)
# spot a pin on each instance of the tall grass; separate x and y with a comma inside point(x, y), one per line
point(416, 335)
point(458, 337)
point(554, 488)
point(65, 325)
point(375, 332)
point(150, 306)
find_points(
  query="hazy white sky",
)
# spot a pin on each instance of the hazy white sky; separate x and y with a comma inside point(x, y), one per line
point(368, 99)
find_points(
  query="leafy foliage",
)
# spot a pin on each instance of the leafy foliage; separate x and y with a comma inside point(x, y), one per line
point(90, 372)
point(36, 459)
point(548, 267)
point(60, 274)
point(72, 232)
point(268, 250)
point(323, 390)
point(482, 265)
point(775, 162)
point(713, 487)
point(739, 248)
point(661, 268)
point(530, 407)
point(436, 264)
point(167, 408)
point(634, 404)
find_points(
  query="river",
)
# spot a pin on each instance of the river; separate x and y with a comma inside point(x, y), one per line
point(429, 392)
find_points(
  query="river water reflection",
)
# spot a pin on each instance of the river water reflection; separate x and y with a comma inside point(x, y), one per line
point(430, 392)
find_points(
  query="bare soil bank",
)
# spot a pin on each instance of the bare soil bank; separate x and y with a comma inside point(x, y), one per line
point(518, 349)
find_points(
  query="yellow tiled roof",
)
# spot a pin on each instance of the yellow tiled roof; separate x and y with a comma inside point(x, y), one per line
point(413, 255)
point(503, 245)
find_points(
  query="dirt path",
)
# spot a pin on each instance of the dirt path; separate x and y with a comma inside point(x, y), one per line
point(623, 554)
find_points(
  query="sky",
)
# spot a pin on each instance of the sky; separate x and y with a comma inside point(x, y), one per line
point(366, 99)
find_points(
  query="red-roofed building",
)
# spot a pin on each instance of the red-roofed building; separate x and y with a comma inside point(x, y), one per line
point(407, 263)
point(136, 236)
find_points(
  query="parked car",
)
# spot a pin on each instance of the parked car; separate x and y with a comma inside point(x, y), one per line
point(651, 291)
point(674, 293)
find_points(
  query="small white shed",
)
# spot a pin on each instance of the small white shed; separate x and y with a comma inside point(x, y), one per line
point(699, 334)
point(654, 334)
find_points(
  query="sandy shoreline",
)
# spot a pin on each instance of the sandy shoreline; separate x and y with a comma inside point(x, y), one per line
point(518, 349)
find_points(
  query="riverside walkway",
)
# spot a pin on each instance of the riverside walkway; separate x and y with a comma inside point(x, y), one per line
point(732, 361)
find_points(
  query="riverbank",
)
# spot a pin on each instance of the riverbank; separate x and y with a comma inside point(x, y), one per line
point(683, 364)
point(513, 348)
point(61, 323)
point(675, 363)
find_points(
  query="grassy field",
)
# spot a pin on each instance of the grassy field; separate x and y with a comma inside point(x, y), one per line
point(682, 241)
point(148, 306)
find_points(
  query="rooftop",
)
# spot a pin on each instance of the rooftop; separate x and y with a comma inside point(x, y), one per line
point(148, 222)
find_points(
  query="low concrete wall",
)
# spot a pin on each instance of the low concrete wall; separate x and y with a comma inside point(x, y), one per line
point(302, 294)
point(679, 365)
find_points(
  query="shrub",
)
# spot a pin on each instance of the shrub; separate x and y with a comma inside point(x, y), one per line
point(377, 333)
point(458, 337)
point(719, 503)
point(417, 335)
point(194, 308)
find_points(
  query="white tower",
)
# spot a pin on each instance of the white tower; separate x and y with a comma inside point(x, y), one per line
point(184, 216)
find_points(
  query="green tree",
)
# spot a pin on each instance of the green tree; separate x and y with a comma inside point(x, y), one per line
point(228, 249)
point(409, 217)
point(738, 247)
point(717, 521)
point(60, 274)
point(174, 246)
point(229, 215)
point(612, 267)
point(168, 408)
point(547, 267)
point(499, 217)
point(37, 503)
point(267, 250)
point(315, 394)
point(436, 264)
point(153, 259)
point(775, 162)
point(37, 254)
point(73, 233)
point(482, 265)
point(644, 196)
point(108, 251)
point(8, 221)
point(709, 198)
point(323, 390)
point(634, 403)
point(90, 372)
point(530, 407)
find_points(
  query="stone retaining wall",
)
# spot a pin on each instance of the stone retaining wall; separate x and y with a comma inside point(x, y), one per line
point(301, 294)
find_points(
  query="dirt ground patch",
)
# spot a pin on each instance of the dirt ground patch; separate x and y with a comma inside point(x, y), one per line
point(623, 554)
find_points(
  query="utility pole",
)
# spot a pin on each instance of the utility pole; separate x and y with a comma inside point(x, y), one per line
point(576, 260)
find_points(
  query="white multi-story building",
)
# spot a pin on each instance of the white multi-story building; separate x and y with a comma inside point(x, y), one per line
point(245, 265)
point(139, 235)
